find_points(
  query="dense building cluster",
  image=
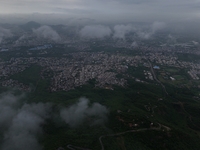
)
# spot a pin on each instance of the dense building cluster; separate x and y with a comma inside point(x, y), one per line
point(77, 68)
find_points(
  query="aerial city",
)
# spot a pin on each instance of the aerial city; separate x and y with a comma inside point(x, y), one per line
point(99, 75)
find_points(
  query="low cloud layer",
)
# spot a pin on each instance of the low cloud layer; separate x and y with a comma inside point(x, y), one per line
point(95, 31)
point(144, 35)
point(82, 111)
point(4, 33)
point(195, 43)
point(8, 102)
point(21, 123)
point(105, 10)
point(150, 31)
point(47, 32)
point(157, 26)
point(134, 44)
point(121, 30)
point(21, 39)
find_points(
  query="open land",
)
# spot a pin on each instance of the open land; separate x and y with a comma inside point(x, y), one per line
point(152, 92)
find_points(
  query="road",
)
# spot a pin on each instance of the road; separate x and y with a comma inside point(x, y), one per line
point(155, 78)
point(72, 147)
point(121, 133)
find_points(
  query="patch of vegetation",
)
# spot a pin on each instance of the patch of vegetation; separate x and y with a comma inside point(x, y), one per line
point(30, 75)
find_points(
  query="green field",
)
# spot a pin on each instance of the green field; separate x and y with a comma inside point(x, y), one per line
point(158, 120)
point(138, 104)
point(179, 77)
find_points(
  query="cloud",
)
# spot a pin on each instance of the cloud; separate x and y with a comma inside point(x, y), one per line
point(134, 44)
point(22, 123)
point(4, 33)
point(144, 35)
point(78, 113)
point(109, 10)
point(21, 39)
point(157, 26)
point(195, 43)
point(47, 32)
point(121, 30)
point(171, 39)
point(8, 102)
point(150, 31)
point(95, 31)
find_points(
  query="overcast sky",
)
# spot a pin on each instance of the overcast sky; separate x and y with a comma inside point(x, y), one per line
point(138, 10)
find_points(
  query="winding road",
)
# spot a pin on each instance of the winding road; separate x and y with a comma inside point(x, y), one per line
point(72, 147)
point(121, 133)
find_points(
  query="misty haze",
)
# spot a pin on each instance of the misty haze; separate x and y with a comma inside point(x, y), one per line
point(99, 75)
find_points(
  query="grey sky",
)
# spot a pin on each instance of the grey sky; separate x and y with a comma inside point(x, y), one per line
point(138, 10)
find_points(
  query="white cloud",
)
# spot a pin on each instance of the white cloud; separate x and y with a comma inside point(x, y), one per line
point(21, 123)
point(150, 31)
point(95, 31)
point(195, 43)
point(4, 33)
point(134, 44)
point(144, 35)
point(121, 30)
point(47, 33)
point(156, 26)
point(78, 113)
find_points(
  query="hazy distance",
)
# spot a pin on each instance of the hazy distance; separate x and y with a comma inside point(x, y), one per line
point(110, 11)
